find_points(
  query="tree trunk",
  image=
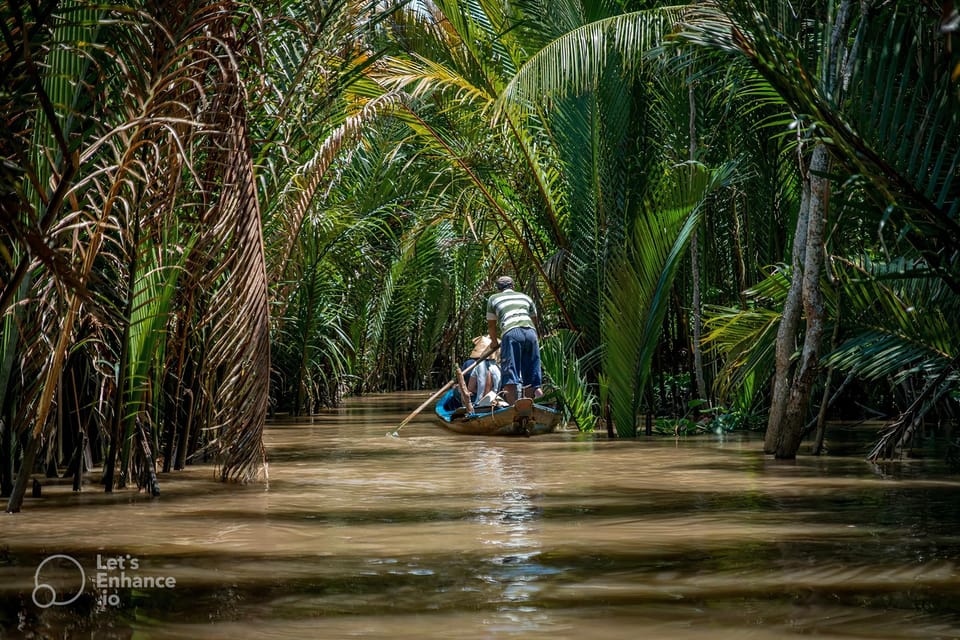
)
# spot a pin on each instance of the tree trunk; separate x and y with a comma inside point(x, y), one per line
point(827, 398)
point(791, 390)
point(695, 265)
point(30, 449)
point(739, 261)
point(149, 463)
point(794, 418)
point(787, 330)
point(6, 458)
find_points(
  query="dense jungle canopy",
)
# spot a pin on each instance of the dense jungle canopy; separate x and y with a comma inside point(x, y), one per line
point(731, 213)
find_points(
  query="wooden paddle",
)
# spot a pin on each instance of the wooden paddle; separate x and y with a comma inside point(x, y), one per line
point(443, 389)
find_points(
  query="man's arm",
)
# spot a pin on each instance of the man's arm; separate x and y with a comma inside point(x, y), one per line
point(492, 330)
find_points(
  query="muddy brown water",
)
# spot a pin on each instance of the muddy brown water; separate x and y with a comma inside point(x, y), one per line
point(438, 535)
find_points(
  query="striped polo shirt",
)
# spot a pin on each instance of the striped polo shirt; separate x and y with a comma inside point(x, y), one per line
point(511, 309)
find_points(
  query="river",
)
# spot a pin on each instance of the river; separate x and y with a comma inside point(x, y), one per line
point(432, 534)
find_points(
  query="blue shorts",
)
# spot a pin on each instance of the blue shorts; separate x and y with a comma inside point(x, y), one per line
point(520, 357)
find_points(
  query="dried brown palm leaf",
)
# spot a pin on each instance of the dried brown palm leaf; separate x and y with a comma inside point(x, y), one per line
point(135, 166)
point(236, 320)
point(302, 191)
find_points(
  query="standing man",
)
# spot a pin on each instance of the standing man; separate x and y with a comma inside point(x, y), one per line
point(513, 313)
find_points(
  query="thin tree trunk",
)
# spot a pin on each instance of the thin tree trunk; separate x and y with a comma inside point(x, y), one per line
point(741, 270)
point(180, 387)
point(23, 476)
point(822, 416)
point(150, 467)
point(695, 263)
point(77, 462)
point(301, 381)
point(798, 403)
point(791, 393)
point(76, 467)
point(787, 329)
point(825, 403)
point(186, 430)
point(169, 430)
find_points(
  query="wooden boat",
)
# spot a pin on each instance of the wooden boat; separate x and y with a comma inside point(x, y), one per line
point(525, 418)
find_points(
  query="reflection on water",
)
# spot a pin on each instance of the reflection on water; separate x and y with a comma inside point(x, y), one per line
point(514, 568)
point(438, 535)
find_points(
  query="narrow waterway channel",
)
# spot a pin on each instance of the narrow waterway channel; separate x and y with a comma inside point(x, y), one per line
point(438, 535)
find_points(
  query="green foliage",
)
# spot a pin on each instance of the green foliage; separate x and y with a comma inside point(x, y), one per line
point(701, 419)
point(899, 321)
point(744, 341)
point(638, 287)
point(151, 307)
point(197, 199)
point(565, 373)
point(135, 242)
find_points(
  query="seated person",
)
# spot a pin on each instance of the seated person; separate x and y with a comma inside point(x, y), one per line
point(484, 381)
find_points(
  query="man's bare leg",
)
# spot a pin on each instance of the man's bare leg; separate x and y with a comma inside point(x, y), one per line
point(510, 393)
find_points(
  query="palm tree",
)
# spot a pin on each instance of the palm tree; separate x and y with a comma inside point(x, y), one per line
point(133, 243)
point(902, 150)
point(775, 72)
point(897, 328)
point(573, 236)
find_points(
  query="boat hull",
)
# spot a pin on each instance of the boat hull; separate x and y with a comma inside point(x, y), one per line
point(525, 418)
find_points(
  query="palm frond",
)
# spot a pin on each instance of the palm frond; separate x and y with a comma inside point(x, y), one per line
point(296, 200)
point(566, 379)
point(744, 340)
point(638, 286)
point(573, 62)
point(899, 134)
point(901, 325)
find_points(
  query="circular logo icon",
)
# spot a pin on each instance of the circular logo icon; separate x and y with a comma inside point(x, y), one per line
point(44, 595)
